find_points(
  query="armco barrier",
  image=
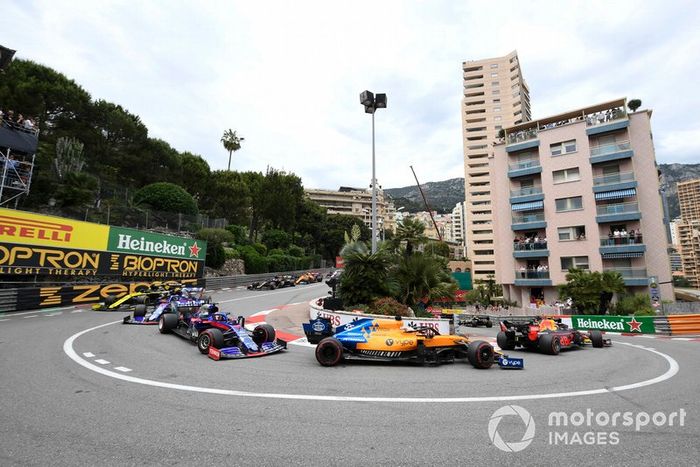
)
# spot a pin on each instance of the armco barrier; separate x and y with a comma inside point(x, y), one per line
point(339, 318)
point(215, 283)
point(679, 324)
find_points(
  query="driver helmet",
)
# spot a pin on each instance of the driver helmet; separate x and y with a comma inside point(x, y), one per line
point(219, 317)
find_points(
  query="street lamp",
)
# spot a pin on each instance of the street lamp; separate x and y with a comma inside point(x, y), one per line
point(372, 103)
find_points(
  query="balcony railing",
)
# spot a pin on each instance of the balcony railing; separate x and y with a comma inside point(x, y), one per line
point(527, 274)
point(531, 190)
point(618, 208)
point(522, 136)
point(613, 178)
point(524, 164)
point(602, 118)
point(525, 218)
point(621, 240)
point(611, 148)
point(530, 246)
point(629, 273)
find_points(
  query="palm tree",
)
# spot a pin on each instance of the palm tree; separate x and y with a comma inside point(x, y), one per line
point(611, 282)
point(411, 231)
point(232, 143)
point(421, 276)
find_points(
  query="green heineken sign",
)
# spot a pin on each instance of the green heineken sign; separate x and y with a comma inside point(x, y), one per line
point(629, 324)
point(138, 242)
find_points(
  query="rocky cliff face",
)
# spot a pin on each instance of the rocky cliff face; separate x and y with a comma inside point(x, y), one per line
point(442, 196)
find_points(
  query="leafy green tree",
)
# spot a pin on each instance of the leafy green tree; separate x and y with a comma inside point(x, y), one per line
point(283, 196)
point(168, 197)
point(232, 143)
point(212, 236)
point(257, 196)
point(240, 234)
point(637, 304)
point(438, 249)
point(69, 156)
point(195, 174)
point(366, 275)
point(333, 230)
point(634, 104)
point(422, 276)
point(591, 291)
point(274, 238)
point(77, 189)
point(227, 196)
point(410, 232)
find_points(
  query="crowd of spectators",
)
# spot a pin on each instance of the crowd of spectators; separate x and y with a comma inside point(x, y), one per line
point(14, 121)
point(622, 236)
point(533, 242)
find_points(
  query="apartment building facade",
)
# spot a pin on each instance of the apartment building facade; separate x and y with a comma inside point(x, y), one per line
point(688, 230)
point(357, 202)
point(581, 190)
point(495, 97)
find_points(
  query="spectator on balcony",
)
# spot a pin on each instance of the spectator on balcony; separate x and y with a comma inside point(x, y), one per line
point(28, 124)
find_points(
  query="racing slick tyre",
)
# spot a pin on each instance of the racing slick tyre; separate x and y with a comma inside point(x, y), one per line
point(263, 333)
point(273, 286)
point(109, 300)
point(596, 339)
point(329, 352)
point(489, 323)
point(167, 322)
point(210, 338)
point(503, 342)
point(549, 344)
point(141, 299)
point(141, 288)
point(139, 311)
point(480, 354)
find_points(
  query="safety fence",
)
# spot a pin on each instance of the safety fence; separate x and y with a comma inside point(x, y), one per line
point(48, 295)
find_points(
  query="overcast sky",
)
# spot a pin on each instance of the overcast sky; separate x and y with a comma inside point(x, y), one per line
point(287, 75)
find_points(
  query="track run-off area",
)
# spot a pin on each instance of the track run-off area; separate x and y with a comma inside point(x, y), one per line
point(80, 388)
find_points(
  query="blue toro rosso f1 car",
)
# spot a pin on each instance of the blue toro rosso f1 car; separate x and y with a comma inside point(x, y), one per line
point(186, 301)
point(219, 336)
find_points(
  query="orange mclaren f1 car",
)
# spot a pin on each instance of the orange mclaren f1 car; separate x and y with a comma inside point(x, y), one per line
point(394, 339)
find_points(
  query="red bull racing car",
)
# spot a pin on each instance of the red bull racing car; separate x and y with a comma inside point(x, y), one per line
point(219, 336)
point(546, 335)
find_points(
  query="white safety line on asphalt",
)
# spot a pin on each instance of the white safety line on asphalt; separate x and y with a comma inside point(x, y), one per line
point(89, 354)
point(122, 369)
point(27, 317)
point(53, 314)
point(48, 310)
point(286, 290)
point(77, 311)
point(68, 349)
point(4, 319)
point(102, 361)
point(302, 342)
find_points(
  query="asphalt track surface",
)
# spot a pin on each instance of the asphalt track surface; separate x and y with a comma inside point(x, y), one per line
point(157, 401)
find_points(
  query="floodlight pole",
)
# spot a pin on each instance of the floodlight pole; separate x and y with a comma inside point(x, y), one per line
point(374, 195)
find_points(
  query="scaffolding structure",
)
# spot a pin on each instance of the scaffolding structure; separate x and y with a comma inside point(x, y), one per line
point(15, 176)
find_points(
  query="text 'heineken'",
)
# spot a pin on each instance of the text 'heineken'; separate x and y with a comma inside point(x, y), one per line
point(126, 242)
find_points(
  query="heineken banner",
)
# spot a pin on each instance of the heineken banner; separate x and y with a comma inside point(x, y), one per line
point(627, 324)
point(35, 244)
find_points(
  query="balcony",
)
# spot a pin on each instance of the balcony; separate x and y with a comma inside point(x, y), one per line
point(619, 181)
point(530, 250)
point(622, 247)
point(523, 139)
point(520, 169)
point(527, 278)
point(617, 212)
point(633, 277)
point(611, 152)
point(525, 195)
point(532, 221)
point(605, 121)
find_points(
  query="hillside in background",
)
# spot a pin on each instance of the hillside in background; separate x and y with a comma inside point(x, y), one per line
point(442, 196)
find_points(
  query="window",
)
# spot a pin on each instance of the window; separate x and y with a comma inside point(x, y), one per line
point(578, 262)
point(495, 91)
point(494, 83)
point(569, 204)
point(565, 147)
point(497, 101)
point(566, 175)
point(498, 127)
point(577, 232)
point(494, 75)
point(494, 65)
point(496, 109)
point(497, 118)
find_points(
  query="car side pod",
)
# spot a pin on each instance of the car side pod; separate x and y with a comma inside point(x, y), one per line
point(509, 363)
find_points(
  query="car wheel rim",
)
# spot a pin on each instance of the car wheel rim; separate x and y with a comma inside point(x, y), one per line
point(204, 342)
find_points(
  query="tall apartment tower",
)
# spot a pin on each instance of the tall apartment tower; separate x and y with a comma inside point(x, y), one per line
point(495, 97)
point(689, 230)
point(579, 190)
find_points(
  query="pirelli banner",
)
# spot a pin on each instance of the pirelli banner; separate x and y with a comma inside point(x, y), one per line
point(35, 244)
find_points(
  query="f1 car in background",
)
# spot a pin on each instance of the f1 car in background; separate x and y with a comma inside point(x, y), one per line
point(144, 295)
point(187, 300)
point(273, 283)
point(219, 336)
point(546, 335)
point(474, 321)
point(389, 340)
point(308, 278)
